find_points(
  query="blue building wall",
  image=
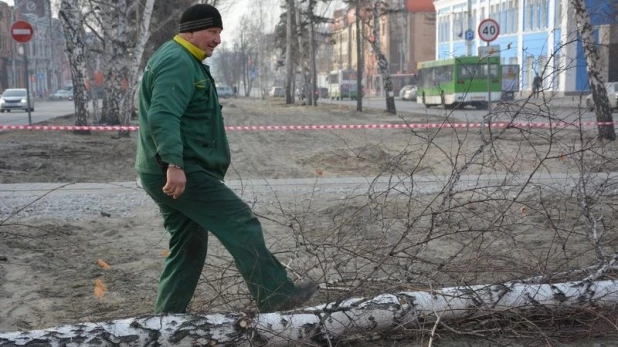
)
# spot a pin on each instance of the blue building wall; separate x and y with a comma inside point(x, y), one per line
point(535, 33)
point(602, 11)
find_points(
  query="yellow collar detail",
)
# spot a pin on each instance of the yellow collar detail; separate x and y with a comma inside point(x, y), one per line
point(196, 52)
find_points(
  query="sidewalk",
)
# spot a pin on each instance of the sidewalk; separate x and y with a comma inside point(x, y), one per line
point(572, 101)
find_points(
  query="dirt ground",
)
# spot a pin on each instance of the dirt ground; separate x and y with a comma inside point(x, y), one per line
point(49, 267)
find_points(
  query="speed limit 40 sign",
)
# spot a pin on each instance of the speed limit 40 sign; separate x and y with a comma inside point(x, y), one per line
point(488, 30)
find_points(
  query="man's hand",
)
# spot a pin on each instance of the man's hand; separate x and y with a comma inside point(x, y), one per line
point(176, 181)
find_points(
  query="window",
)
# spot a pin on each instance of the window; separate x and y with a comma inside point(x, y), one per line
point(514, 16)
point(557, 13)
point(503, 18)
point(537, 14)
point(529, 71)
point(444, 29)
point(476, 71)
point(444, 74)
point(544, 14)
point(530, 21)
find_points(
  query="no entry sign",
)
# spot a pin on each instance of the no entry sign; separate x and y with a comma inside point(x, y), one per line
point(22, 31)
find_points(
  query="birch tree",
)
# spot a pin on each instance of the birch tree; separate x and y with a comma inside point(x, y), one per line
point(114, 30)
point(595, 79)
point(73, 24)
point(123, 41)
point(326, 324)
point(143, 34)
point(383, 69)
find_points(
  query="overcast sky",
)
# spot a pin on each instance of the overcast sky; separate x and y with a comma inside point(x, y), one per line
point(272, 10)
point(233, 13)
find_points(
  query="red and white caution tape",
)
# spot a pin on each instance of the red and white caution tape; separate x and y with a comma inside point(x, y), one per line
point(320, 127)
point(68, 128)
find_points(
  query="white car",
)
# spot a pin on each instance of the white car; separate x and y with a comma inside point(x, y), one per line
point(405, 88)
point(62, 94)
point(224, 91)
point(612, 95)
point(276, 92)
point(409, 94)
point(16, 99)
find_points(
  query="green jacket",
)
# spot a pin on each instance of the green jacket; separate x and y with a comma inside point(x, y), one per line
point(180, 117)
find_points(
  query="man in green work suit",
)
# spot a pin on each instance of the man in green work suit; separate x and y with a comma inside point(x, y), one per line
point(182, 157)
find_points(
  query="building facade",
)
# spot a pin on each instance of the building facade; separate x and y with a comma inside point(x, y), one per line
point(538, 35)
point(406, 37)
point(45, 51)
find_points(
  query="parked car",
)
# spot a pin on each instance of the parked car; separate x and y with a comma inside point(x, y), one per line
point(62, 94)
point(404, 89)
point(409, 94)
point(16, 99)
point(612, 95)
point(276, 92)
point(225, 91)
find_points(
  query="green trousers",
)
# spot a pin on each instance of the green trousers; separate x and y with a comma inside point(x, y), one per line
point(208, 205)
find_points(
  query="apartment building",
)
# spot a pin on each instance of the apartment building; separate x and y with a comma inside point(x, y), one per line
point(45, 52)
point(538, 35)
point(11, 62)
point(407, 37)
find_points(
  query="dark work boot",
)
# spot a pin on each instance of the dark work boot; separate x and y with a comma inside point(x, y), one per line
point(302, 293)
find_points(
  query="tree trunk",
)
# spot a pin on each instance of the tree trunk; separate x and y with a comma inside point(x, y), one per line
point(73, 25)
point(595, 79)
point(116, 49)
point(301, 54)
point(138, 52)
point(314, 69)
point(359, 60)
point(289, 67)
point(382, 61)
point(326, 323)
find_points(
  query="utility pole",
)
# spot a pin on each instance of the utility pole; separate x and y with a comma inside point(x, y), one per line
point(469, 42)
point(14, 83)
point(404, 38)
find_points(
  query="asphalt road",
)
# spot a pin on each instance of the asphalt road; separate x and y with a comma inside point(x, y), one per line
point(43, 110)
point(536, 110)
point(564, 109)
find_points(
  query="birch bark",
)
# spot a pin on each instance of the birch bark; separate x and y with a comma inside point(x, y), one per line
point(73, 25)
point(327, 322)
point(382, 61)
point(595, 79)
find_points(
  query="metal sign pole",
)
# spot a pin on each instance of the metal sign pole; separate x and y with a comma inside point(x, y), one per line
point(27, 84)
point(469, 40)
point(488, 85)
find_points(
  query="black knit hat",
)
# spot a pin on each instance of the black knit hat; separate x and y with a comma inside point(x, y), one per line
point(199, 17)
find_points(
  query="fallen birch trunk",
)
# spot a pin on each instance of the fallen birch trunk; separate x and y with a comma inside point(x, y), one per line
point(323, 322)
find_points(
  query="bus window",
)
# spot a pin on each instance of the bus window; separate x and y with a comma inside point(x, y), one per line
point(471, 71)
point(477, 71)
point(444, 74)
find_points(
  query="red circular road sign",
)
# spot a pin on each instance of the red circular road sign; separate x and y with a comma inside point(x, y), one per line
point(22, 31)
point(488, 30)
